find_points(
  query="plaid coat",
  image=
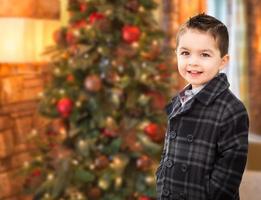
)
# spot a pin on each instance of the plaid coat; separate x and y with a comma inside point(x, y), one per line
point(205, 147)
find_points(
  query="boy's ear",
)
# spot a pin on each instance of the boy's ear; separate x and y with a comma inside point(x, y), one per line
point(224, 61)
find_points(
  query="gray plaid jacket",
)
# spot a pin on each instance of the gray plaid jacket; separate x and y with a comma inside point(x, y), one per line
point(205, 147)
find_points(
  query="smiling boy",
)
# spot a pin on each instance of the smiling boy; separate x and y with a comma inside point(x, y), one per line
point(206, 143)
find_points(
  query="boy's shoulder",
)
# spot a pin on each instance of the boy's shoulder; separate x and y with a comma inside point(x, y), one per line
point(231, 102)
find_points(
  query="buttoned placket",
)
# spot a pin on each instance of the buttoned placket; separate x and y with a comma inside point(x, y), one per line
point(167, 162)
point(171, 135)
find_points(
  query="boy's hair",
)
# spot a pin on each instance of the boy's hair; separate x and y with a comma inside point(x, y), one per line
point(209, 24)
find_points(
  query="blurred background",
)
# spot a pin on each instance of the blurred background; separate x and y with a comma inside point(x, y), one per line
point(27, 28)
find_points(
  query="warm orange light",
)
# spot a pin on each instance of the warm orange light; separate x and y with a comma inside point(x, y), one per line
point(23, 40)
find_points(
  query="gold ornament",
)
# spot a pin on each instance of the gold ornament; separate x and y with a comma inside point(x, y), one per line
point(141, 9)
point(144, 77)
point(75, 162)
point(143, 99)
point(118, 181)
point(63, 131)
point(33, 134)
point(46, 196)
point(50, 177)
point(155, 43)
point(39, 158)
point(40, 94)
point(92, 166)
point(110, 123)
point(78, 104)
point(108, 12)
point(150, 180)
point(76, 32)
point(157, 78)
point(57, 71)
point(82, 144)
point(100, 50)
point(62, 91)
point(114, 63)
point(103, 184)
point(87, 27)
point(26, 164)
point(135, 45)
point(79, 196)
point(119, 162)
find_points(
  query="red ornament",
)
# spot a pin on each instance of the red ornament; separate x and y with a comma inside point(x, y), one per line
point(151, 130)
point(80, 24)
point(64, 107)
point(132, 5)
point(83, 7)
point(143, 163)
point(154, 132)
point(144, 198)
point(101, 162)
point(95, 16)
point(162, 67)
point(109, 133)
point(51, 133)
point(70, 78)
point(93, 83)
point(158, 100)
point(70, 38)
point(36, 173)
point(94, 193)
point(130, 33)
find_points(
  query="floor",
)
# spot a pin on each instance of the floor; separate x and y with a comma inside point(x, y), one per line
point(250, 186)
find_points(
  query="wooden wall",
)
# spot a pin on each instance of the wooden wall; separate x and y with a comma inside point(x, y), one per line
point(30, 8)
point(254, 60)
point(20, 86)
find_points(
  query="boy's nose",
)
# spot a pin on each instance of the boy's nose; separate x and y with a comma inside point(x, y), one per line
point(192, 61)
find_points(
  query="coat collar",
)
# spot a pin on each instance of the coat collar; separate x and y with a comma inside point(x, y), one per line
point(208, 94)
point(213, 89)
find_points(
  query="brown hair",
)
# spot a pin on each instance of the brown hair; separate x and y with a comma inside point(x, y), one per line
point(209, 24)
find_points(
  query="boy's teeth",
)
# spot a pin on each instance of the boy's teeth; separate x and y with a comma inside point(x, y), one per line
point(194, 72)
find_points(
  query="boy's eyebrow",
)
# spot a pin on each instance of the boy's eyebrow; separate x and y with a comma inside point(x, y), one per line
point(202, 50)
point(209, 50)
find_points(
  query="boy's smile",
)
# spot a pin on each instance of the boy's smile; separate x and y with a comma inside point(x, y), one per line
point(198, 57)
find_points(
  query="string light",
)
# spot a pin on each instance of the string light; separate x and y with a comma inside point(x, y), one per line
point(103, 184)
point(39, 158)
point(75, 162)
point(62, 91)
point(78, 104)
point(26, 164)
point(50, 177)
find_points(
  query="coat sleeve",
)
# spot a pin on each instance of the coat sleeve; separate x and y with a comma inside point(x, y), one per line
point(232, 148)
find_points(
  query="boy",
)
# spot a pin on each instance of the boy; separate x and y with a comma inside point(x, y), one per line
point(206, 142)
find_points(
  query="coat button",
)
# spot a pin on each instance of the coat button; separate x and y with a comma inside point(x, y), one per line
point(173, 135)
point(190, 138)
point(184, 167)
point(169, 163)
point(166, 192)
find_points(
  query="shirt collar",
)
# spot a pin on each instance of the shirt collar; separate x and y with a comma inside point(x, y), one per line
point(208, 93)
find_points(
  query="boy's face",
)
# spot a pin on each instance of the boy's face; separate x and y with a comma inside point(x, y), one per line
point(198, 57)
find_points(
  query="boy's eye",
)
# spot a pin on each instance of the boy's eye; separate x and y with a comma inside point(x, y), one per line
point(205, 55)
point(184, 53)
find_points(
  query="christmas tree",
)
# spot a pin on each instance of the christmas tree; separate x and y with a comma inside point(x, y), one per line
point(104, 103)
